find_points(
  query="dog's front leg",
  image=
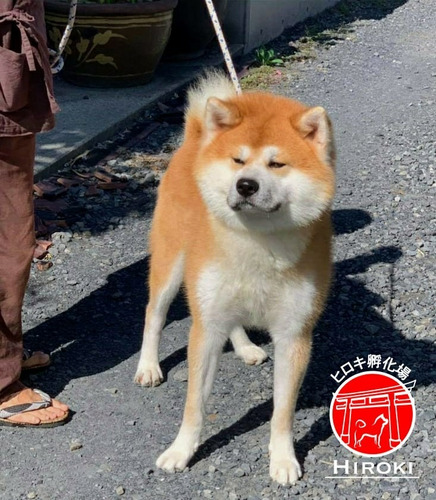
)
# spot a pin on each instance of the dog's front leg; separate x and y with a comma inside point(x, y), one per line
point(204, 351)
point(166, 276)
point(292, 355)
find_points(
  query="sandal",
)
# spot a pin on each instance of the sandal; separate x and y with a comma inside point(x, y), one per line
point(45, 402)
point(33, 361)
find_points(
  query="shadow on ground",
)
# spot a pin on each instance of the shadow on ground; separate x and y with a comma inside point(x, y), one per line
point(103, 329)
point(348, 11)
point(330, 26)
point(340, 336)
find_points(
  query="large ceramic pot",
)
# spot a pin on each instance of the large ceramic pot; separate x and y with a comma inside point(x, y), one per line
point(111, 45)
point(192, 28)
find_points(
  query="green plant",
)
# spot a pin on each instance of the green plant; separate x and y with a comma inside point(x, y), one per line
point(267, 57)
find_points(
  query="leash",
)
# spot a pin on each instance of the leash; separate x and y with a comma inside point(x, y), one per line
point(57, 63)
point(223, 45)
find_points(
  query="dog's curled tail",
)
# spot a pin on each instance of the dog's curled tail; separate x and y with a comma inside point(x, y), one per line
point(360, 423)
point(213, 83)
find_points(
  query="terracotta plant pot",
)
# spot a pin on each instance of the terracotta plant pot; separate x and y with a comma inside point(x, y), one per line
point(192, 28)
point(111, 45)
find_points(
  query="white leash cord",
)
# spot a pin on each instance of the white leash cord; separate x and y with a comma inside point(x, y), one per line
point(223, 45)
point(57, 62)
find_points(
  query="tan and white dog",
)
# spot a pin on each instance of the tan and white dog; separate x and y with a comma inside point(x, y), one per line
point(243, 219)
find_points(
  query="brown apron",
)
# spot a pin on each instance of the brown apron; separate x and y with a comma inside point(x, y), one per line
point(27, 103)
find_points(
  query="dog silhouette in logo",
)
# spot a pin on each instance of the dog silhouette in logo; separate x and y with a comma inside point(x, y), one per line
point(374, 431)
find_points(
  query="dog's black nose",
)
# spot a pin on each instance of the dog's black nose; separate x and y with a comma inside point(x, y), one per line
point(247, 187)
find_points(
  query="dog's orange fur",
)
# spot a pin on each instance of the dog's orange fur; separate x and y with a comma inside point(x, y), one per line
point(183, 224)
point(181, 215)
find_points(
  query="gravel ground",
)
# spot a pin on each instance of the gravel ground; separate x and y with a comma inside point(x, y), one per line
point(377, 80)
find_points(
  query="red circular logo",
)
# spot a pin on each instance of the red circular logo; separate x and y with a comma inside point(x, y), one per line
point(372, 413)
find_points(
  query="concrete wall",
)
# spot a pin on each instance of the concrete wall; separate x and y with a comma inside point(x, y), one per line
point(255, 22)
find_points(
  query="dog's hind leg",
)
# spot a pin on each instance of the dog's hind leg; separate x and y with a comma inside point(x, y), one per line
point(166, 276)
point(250, 353)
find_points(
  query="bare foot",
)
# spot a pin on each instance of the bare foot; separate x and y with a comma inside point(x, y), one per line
point(20, 394)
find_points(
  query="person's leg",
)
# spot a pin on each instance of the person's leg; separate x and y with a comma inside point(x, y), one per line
point(17, 243)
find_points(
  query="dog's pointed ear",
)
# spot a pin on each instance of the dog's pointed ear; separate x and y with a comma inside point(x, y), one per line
point(316, 128)
point(221, 115)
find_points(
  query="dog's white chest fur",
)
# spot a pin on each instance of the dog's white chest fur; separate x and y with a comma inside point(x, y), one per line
point(251, 284)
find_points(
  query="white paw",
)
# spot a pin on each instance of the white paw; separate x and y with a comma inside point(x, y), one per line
point(251, 354)
point(285, 471)
point(174, 459)
point(148, 374)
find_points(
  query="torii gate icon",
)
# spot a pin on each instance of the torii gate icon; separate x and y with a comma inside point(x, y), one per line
point(385, 397)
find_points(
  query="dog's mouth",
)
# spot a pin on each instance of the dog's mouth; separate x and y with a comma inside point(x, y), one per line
point(247, 206)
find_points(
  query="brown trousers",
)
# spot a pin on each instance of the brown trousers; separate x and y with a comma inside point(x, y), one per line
point(17, 243)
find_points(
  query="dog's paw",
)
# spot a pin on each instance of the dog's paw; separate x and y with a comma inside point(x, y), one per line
point(148, 375)
point(285, 471)
point(174, 459)
point(251, 354)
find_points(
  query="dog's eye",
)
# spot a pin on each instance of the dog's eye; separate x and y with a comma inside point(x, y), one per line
point(276, 164)
point(239, 161)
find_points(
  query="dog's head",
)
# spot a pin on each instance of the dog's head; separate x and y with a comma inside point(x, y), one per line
point(265, 163)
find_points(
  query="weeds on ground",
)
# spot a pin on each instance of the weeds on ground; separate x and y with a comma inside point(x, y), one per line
point(258, 78)
point(267, 57)
point(302, 42)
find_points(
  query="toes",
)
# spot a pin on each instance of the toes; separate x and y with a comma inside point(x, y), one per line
point(252, 354)
point(173, 460)
point(36, 417)
point(149, 376)
point(53, 413)
point(286, 471)
point(48, 414)
point(56, 412)
point(60, 406)
point(25, 418)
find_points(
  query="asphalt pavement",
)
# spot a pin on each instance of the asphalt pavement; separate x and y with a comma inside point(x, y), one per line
point(373, 68)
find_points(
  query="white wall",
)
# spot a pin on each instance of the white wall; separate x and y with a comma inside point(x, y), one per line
point(255, 22)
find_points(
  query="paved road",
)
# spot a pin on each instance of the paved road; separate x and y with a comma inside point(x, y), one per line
point(378, 83)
